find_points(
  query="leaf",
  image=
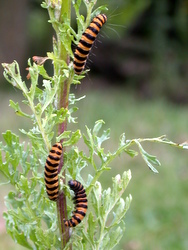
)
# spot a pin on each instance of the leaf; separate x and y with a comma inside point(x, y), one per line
point(105, 136)
point(75, 137)
point(96, 197)
point(89, 142)
point(20, 238)
point(18, 110)
point(92, 227)
point(12, 75)
point(43, 72)
point(10, 137)
point(48, 94)
point(64, 135)
point(121, 208)
point(33, 70)
point(97, 127)
point(113, 237)
point(73, 100)
point(149, 159)
point(131, 152)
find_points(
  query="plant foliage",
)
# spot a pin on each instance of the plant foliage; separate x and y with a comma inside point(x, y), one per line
point(31, 218)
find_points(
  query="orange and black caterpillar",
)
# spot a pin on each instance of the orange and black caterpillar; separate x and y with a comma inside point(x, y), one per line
point(86, 42)
point(51, 171)
point(80, 201)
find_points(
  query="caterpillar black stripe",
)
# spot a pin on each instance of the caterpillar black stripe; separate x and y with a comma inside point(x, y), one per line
point(51, 171)
point(86, 42)
point(80, 201)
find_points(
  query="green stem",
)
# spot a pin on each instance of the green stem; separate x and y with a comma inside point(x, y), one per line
point(128, 144)
point(105, 164)
point(38, 120)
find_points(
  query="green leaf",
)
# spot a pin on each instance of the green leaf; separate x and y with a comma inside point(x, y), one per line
point(18, 110)
point(33, 70)
point(113, 237)
point(97, 127)
point(96, 197)
point(20, 238)
point(4, 167)
point(75, 137)
point(131, 152)
point(48, 94)
point(149, 159)
point(89, 142)
point(92, 227)
point(10, 138)
point(12, 75)
point(43, 72)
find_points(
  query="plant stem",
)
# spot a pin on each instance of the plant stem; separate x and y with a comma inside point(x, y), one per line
point(61, 12)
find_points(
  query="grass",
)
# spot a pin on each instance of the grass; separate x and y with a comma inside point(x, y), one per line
point(157, 218)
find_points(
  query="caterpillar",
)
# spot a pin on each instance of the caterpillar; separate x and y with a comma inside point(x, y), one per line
point(80, 201)
point(51, 171)
point(86, 42)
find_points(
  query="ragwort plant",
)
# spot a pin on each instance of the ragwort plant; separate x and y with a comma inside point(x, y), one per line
point(32, 220)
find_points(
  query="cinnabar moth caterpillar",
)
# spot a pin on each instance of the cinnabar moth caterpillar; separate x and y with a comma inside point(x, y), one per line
point(51, 171)
point(86, 42)
point(80, 201)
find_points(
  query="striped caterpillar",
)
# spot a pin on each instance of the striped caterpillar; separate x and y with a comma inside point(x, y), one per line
point(51, 171)
point(80, 201)
point(84, 46)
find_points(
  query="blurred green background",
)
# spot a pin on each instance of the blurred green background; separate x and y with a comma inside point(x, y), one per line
point(138, 84)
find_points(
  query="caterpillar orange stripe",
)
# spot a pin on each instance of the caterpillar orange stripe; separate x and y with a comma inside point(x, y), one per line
point(51, 171)
point(80, 201)
point(86, 42)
